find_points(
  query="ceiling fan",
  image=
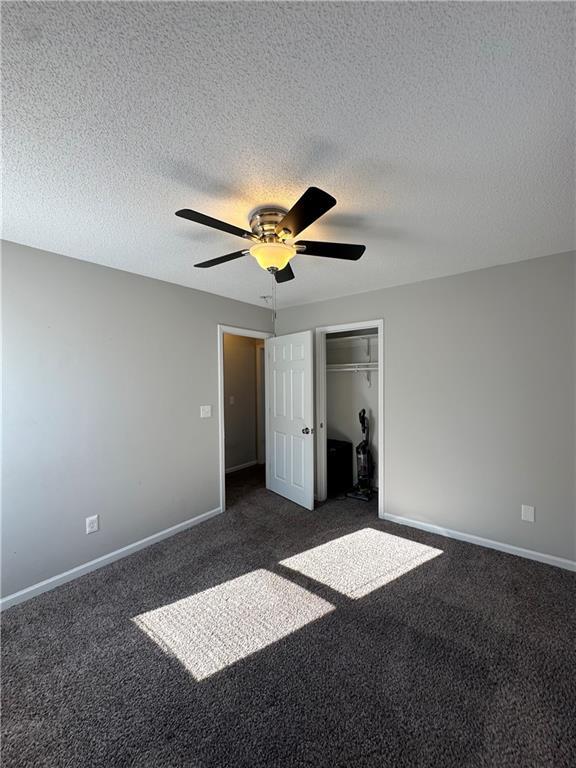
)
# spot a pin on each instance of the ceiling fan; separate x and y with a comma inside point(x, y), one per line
point(272, 231)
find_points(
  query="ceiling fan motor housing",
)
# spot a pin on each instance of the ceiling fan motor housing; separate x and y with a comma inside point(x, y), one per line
point(265, 219)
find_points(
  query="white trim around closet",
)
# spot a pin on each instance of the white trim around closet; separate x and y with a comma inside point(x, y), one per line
point(321, 333)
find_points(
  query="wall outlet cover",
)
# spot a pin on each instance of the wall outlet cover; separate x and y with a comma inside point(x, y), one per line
point(205, 411)
point(92, 524)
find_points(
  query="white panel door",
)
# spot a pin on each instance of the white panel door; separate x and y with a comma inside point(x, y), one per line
point(290, 408)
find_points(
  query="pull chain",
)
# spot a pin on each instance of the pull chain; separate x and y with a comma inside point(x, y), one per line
point(274, 304)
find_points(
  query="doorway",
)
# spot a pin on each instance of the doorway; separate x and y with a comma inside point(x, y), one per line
point(349, 377)
point(242, 414)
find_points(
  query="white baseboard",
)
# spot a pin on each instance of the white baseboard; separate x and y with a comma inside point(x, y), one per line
point(92, 565)
point(241, 466)
point(559, 562)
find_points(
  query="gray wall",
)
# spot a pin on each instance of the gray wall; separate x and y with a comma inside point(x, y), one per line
point(240, 384)
point(104, 374)
point(479, 398)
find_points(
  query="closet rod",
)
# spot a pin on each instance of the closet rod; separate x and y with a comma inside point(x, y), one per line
point(352, 367)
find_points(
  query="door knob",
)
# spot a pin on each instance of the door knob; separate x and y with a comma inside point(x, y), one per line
point(306, 431)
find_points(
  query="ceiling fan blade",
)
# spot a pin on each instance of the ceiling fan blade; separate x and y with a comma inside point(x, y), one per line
point(208, 221)
point(283, 275)
point(313, 204)
point(221, 259)
point(332, 250)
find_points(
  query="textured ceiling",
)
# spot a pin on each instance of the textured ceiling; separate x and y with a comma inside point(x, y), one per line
point(445, 131)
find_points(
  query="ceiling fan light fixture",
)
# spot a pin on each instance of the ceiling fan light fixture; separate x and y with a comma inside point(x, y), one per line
point(271, 226)
point(273, 256)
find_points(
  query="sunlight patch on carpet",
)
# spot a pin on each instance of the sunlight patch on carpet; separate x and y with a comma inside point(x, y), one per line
point(209, 631)
point(360, 562)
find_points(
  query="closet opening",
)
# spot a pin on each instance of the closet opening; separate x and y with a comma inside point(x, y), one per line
point(349, 390)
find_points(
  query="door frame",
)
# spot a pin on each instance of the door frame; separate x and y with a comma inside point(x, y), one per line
point(261, 435)
point(321, 431)
point(233, 331)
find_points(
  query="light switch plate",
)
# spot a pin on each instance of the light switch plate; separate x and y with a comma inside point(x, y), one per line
point(528, 513)
point(205, 411)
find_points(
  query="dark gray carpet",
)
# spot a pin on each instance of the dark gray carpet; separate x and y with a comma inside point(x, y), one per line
point(468, 659)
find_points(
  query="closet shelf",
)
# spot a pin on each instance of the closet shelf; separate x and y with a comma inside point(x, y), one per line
point(365, 337)
point(353, 367)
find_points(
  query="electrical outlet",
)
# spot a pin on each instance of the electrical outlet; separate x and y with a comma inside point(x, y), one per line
point(528, 513)
point(232, 400)
point(205, 411)
point(92, 524)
